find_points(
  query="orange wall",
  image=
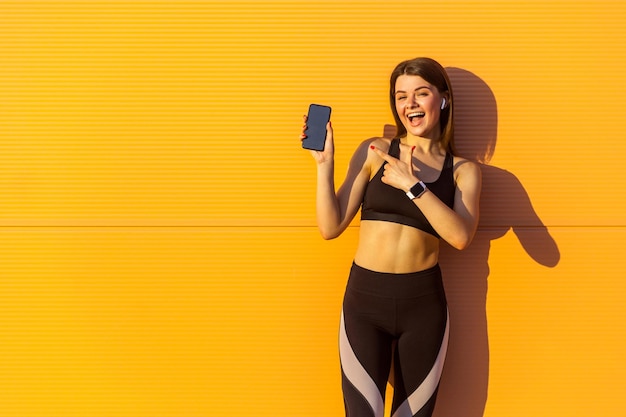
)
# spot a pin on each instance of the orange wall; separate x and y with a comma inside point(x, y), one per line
point(158, 251)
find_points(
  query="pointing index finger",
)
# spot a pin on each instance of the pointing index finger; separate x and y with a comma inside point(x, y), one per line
point(382, 154)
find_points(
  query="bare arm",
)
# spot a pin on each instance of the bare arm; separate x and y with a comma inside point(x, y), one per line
point(456, 225)
point(335, 210)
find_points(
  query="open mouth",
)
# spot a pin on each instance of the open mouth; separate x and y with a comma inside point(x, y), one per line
point(415, 117)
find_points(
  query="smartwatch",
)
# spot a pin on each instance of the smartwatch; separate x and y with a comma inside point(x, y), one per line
point(417, 190)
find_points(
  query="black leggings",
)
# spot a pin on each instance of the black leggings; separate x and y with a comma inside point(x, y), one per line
point(387, 316)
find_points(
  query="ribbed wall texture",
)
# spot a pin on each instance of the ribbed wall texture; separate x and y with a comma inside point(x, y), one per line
point(158, 249)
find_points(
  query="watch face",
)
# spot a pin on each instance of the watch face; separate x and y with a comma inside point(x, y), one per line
point(417, 189)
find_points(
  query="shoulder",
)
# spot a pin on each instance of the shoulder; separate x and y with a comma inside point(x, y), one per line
point(364, 152)
point(364, 160)
point(466, 171)
point(381, 143)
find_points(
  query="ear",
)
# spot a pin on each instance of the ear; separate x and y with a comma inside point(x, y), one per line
point(445, 101)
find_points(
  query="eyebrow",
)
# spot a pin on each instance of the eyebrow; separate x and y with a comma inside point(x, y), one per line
point(418, 88)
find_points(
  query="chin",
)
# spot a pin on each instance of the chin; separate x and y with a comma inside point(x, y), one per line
point(420, 133)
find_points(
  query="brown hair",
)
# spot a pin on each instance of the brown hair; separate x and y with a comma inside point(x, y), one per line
point(432, 72)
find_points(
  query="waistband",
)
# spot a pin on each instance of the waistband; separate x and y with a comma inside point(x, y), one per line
point(388, 284)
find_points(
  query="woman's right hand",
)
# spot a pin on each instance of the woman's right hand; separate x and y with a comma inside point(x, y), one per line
point(327, 155)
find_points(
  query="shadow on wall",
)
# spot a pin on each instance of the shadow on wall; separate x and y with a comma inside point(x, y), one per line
point(505, 206)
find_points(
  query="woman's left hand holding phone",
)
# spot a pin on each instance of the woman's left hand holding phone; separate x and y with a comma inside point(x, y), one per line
point(327, 155)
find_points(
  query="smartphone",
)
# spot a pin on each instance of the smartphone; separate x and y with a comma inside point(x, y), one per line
point(316, 127)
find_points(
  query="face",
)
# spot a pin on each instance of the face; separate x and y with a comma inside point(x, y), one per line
point(418, 104)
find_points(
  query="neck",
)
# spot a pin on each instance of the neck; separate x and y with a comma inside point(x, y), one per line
point(423, 145)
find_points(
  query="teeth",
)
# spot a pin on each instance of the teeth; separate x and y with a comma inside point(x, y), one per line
point(416, 114)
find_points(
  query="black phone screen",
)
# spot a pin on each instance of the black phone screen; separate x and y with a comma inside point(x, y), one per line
point(316, 127)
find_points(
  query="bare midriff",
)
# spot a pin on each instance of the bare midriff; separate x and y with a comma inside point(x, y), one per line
point(396, 248)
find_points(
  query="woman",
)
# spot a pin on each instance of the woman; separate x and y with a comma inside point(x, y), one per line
point(412, 192)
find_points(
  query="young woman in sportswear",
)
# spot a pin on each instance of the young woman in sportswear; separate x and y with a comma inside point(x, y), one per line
point(412, 192)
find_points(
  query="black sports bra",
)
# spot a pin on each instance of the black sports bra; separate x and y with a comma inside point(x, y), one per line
point(386, 203)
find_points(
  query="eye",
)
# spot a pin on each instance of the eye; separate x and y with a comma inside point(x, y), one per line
point(422, 92)
point(399, 98)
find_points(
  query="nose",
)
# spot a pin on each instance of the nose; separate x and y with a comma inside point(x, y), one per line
point(412, 100)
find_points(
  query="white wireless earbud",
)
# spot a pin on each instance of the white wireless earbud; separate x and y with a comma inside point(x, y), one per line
point(443, 104)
